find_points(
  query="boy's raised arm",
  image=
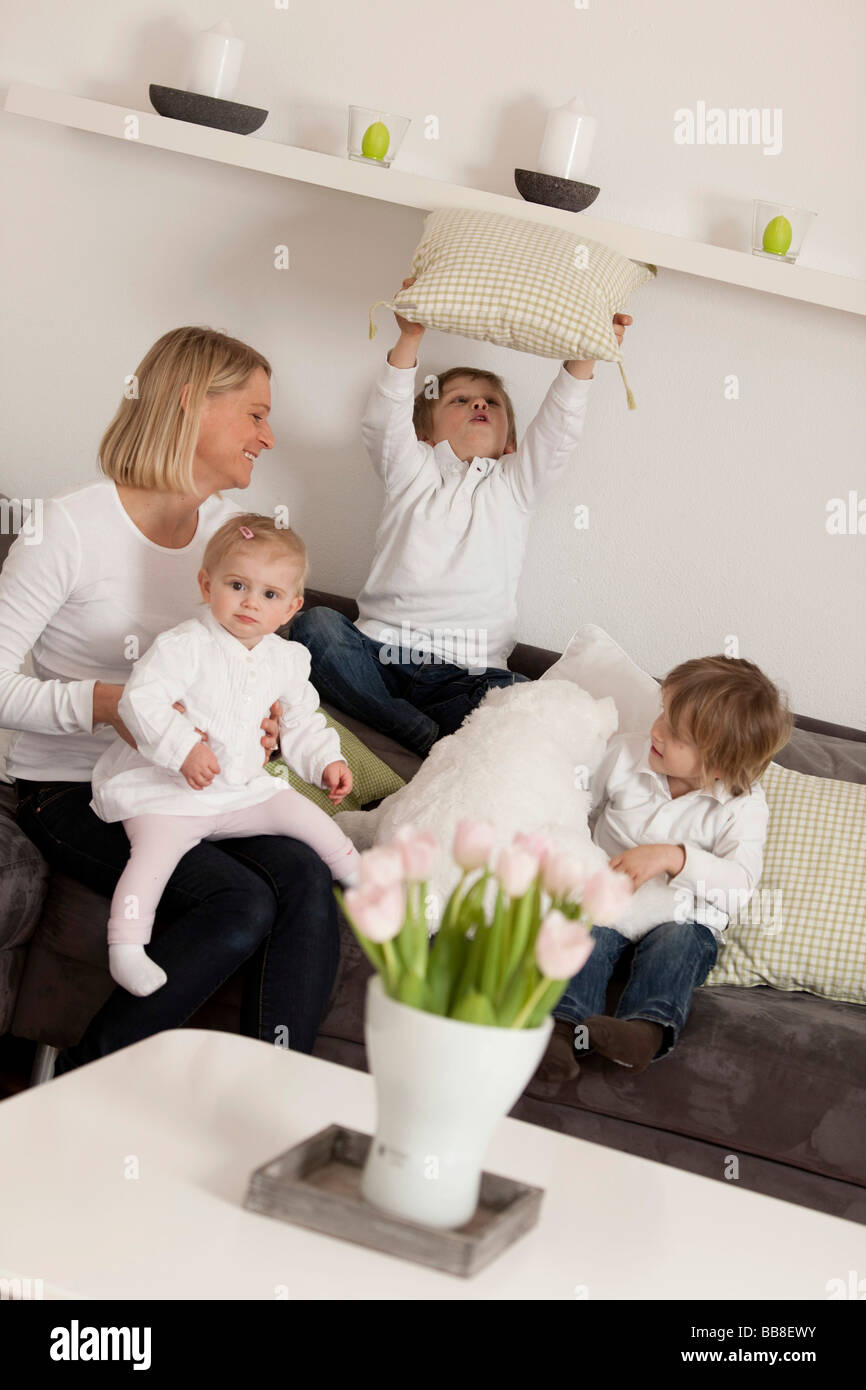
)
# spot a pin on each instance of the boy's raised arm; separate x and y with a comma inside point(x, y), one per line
point(386, 428)
point(550, 440)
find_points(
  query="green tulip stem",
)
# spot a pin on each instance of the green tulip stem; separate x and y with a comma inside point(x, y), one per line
point(450, 913)
point(534, 999)
point(392, 966)
point(522, 924)
point(493, 956)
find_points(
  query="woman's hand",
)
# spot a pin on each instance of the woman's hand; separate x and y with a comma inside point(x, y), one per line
point(337, 778)
point(105, 701)
point(271, 727)
point(648, 861)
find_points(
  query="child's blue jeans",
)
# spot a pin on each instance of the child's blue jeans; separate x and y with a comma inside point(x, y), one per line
point(667, 966)
point(413, 702)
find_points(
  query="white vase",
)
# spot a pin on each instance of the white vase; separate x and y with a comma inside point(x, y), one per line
point(441, 1087)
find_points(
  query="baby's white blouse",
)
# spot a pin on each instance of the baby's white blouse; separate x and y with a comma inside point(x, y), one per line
point(227, 690)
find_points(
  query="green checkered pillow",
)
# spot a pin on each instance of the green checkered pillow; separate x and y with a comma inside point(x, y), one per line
point(371, 778)
point(805, 927)
point(520, 284)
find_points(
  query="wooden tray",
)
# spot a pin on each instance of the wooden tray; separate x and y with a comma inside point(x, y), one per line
point(318, 1184)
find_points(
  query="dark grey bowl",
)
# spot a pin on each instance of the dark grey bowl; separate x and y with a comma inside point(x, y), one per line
point(201, 110)
point(556, 193)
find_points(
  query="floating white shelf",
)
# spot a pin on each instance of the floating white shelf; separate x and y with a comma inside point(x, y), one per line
point(416, 191)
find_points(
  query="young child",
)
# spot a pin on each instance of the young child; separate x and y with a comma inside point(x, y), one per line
point(438, 612)
point(683, 802)
point(199, 775)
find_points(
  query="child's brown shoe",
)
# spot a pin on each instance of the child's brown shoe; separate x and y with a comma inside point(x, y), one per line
point(630, 1042)
point(559, 1063)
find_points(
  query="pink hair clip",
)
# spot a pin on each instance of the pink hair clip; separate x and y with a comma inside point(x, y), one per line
point(245, 531)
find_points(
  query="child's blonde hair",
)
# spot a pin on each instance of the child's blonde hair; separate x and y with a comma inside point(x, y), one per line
point(732, 712)
point(422, 416)
point(261, 530)
point(151, 441)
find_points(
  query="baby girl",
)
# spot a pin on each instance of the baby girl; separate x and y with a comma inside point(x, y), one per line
point(198, 775)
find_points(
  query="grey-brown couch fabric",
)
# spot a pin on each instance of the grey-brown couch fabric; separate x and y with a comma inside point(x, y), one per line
point(776, 1080)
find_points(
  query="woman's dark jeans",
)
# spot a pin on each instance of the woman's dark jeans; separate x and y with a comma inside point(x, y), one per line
point(265, 903)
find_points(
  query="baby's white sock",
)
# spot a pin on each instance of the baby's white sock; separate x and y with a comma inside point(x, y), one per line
point(131, 967)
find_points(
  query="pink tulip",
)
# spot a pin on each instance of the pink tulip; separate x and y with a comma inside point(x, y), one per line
point(380, 867)
point(377, 912)
point(536, 844)
point(419, 849)
point(473, 843)
point(562, 947)
point(563, 875)
point(606, 896)
point(516, 867)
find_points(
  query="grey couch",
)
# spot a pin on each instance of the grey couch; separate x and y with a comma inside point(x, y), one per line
point(777, 1080)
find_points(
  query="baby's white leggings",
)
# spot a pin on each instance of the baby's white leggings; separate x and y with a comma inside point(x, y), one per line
point(158, 843)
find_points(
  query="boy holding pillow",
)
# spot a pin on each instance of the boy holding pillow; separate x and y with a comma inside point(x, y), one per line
point(437, 614)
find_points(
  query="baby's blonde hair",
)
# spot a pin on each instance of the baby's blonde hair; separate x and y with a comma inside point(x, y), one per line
point(152, 439)
point(263, 531)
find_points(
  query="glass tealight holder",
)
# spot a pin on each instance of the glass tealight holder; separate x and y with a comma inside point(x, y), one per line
point(375, 137)
point(778, 231)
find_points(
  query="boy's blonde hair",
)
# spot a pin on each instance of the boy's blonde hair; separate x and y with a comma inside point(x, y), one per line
point(732, 712)
point(422, 416)
point(151, 441)
point(230, 537)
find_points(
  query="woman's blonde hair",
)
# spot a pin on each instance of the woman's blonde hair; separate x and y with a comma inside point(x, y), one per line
point(151, 441)
point(733, 714)
point(252, 528)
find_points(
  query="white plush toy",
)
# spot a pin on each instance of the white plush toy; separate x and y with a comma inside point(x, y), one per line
point(521, 760)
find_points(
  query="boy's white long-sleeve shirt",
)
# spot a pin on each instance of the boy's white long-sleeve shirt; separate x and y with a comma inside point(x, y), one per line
point(723, 835)
point(224, 687)
point(451, 538)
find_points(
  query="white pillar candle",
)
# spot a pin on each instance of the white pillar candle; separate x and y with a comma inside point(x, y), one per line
point(567, 143)
point(215, 62)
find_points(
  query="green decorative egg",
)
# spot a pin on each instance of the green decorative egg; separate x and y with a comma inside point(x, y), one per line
point(777, 236)
point(377, 138)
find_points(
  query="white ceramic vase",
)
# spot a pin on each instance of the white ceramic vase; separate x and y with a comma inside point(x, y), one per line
point(441, 1087)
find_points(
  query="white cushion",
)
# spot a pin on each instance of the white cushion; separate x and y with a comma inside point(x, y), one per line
point(594, 661)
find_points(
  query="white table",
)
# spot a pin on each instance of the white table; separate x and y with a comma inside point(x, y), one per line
point(195, 1111)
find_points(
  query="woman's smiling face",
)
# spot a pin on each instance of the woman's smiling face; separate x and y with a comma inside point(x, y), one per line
point(234, 425)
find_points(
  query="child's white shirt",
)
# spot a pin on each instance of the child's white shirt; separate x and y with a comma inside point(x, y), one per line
point(723, 835)
point(451, 538)
point(227, 690)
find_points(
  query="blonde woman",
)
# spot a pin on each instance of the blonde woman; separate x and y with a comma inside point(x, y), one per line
point(116, 566)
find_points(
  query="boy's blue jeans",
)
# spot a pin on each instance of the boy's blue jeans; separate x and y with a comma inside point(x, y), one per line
point(667, 966)
point(413, 702)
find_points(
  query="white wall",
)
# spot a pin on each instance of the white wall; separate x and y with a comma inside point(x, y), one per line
point(707, 516)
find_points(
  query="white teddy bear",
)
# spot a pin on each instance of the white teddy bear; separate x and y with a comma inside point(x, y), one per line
point(521, 760)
